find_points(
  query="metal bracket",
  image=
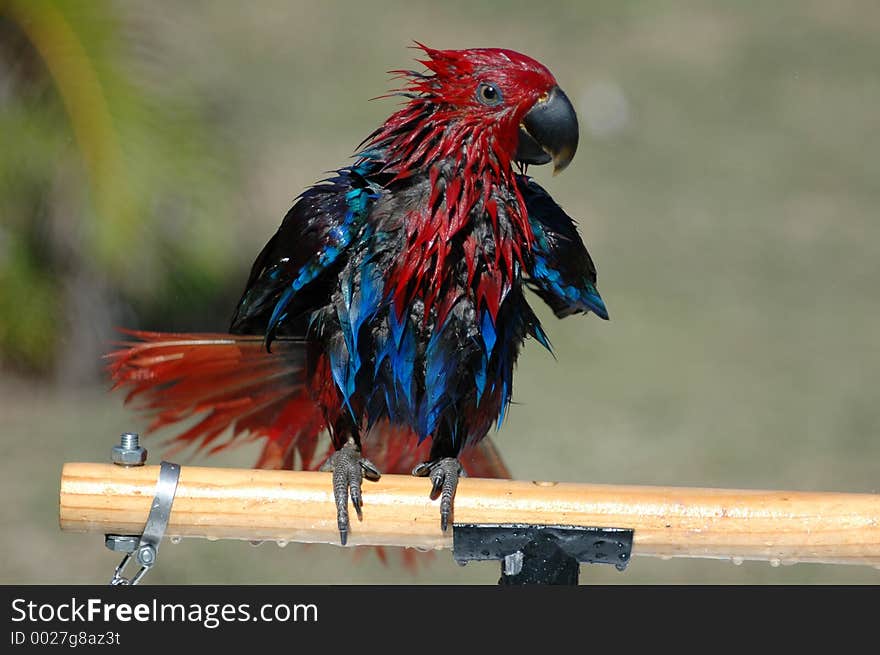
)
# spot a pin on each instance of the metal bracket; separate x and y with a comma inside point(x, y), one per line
point(145, 548)
point(541, 554)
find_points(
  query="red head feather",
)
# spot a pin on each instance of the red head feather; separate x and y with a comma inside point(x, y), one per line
point(461, 126)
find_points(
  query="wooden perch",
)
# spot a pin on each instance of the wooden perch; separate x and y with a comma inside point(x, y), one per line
point(218, 503)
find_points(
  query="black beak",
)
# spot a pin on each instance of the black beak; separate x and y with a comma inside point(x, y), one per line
point(549, 132)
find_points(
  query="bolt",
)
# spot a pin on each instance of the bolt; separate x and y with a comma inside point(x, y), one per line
point(127, 452)
point(513, 563)
point(129, 440)
point(146, 555)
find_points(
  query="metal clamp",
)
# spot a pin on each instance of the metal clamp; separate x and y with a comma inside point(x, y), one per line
point(145, 548)
point(541, 554)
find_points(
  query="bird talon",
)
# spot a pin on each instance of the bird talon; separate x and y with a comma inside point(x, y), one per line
point(370, 470)
point(444, 474)
point(357, 501)
point(437, 486)
point(445, 512)
point(422, 470)
point(349, 470)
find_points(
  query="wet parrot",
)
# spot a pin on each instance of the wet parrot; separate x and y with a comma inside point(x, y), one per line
point(380, 325)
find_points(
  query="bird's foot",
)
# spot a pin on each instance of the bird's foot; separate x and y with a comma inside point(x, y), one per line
point(349, 469)
point(444, 474)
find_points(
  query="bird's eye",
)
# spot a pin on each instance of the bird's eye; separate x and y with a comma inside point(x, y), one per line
point(488, 94)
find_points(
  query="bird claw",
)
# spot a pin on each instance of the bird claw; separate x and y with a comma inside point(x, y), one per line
point(444, 474)
point(349, 469)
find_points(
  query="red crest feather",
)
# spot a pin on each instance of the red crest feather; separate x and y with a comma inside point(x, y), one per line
point(467, 147)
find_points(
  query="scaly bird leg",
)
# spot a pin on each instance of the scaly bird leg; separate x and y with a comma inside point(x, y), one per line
point(444, 474)
point(349, 470)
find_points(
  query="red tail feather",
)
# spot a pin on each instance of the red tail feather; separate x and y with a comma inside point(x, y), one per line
point(225, 381)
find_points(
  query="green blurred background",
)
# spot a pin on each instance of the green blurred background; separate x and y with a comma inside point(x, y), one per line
point(727, 185)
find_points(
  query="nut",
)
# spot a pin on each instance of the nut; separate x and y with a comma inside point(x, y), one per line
point(121, 543)
point(128, 456)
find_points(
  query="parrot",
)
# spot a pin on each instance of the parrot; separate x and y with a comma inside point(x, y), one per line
point(379, 327)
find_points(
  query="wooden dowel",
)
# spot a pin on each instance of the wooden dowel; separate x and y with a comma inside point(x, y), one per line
point(219, 503)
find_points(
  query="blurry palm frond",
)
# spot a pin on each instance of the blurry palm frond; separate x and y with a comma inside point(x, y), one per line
point(111, 179)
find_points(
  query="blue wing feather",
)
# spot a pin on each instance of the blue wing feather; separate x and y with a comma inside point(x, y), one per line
point(314, 238)
point(562, 272)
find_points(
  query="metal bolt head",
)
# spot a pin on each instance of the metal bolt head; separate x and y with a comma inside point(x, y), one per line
point(128, 456)
point(513, 564)
point(146, 555)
